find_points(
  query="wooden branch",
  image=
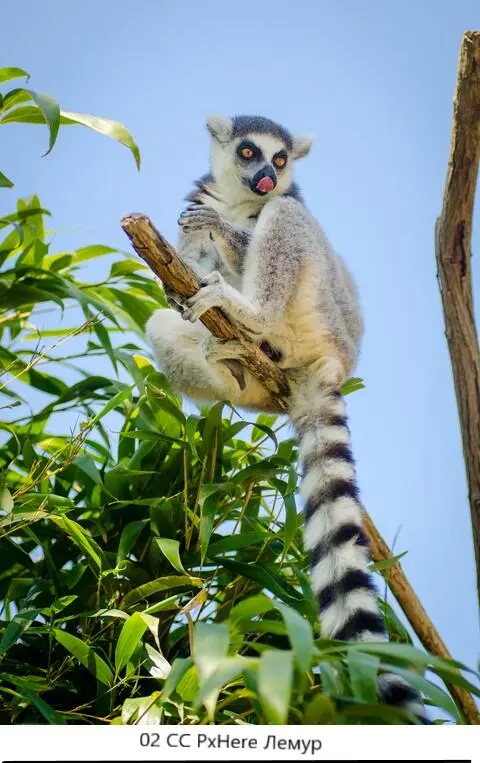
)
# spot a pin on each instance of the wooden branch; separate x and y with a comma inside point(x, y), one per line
point(165, 263)
point(453, 238)
point(417, 617)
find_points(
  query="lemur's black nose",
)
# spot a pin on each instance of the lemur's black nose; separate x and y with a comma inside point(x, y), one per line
point(264, 180)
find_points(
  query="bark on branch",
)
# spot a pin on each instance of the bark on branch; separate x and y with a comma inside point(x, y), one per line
point(453, 238)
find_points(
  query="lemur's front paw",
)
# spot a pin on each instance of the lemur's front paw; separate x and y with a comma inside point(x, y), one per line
point(199, 217)
point(210, 294)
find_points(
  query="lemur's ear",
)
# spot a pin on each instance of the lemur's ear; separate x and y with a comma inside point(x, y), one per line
point(220, 128)
point(301, 145)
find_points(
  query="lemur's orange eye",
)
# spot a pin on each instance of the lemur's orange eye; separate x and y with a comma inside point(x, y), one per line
point(280, 161)
point(247, 153)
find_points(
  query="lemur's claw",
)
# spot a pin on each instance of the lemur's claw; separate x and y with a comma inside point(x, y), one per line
point(237, 371)
point(230, 353)
point(174, 300)
point(199, 217)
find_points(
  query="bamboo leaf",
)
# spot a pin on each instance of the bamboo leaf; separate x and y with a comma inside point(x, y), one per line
point(146, 711)
point(130, 636)
point(12, 72)
point(300, 634)
point(76, 532)
point(170, 549)
point(128, 538)
point(387, 564)
point(158, 586)
point(210, 646)
point(116, 400)
point(50, 111)
point(363, 670)
point(179, 668)
point(5, 182)
point(14, 630)
point(86, 655)
point(106, 127)
point(227, 669)
point(29, 694)
point(275, 676)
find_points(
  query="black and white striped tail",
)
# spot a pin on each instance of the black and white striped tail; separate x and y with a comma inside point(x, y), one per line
point(334, 533)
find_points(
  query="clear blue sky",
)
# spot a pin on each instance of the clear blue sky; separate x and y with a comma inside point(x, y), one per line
point(374, 82)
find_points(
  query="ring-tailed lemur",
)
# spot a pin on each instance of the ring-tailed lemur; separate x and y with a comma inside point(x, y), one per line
point(275, 274)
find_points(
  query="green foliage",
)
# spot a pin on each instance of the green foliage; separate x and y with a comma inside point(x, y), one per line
point(151, 560)
point(28, 106)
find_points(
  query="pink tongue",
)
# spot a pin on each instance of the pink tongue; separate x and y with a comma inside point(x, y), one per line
point(265, 185)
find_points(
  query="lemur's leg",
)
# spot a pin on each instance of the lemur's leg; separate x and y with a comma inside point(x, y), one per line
point(202, 367)
point(233, 239)
point(180, 350)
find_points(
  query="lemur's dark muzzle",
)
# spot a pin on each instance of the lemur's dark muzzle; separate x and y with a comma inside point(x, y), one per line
point(264, 181)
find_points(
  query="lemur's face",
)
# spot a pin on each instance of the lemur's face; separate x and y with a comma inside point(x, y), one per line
point(262, 163)
point(254, 163)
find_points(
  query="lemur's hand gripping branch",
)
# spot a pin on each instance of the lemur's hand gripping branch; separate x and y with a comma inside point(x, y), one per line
point(162, 259)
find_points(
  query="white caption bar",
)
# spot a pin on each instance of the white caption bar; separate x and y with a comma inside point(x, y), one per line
point(145, 743)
